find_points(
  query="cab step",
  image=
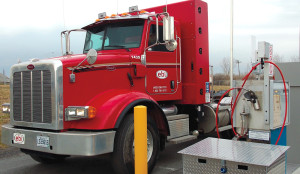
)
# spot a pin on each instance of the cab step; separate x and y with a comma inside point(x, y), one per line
point(182, 139)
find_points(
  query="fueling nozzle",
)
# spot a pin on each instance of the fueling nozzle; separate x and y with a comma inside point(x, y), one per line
point(250, 96)
point(262, 63)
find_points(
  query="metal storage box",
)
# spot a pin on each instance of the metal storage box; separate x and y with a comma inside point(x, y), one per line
point(213, 155)
point(179, 125)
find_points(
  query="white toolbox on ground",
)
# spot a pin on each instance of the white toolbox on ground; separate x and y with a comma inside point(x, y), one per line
point(212, 155)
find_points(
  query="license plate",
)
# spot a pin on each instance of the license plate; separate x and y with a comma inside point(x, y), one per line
point(19, 138)
point(42, 141)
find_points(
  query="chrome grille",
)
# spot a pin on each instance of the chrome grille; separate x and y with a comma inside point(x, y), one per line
point(32, 96)
point(47, 109)
point(37, 96)
point(17, 105)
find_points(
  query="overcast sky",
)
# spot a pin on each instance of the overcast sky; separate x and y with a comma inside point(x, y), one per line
point(31, 28)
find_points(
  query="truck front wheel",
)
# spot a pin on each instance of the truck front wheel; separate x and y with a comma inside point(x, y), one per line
point(123, 155)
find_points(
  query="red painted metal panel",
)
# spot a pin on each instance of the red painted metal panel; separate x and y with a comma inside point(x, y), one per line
point(109, 106)
point(187, 14)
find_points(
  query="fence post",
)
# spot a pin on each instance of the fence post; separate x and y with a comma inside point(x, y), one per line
point(140, 139)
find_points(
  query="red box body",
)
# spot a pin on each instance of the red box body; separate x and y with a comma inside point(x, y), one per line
point(193, 18)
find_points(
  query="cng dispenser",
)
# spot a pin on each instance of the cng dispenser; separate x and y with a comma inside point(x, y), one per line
point(260, 113)
point(260, 108)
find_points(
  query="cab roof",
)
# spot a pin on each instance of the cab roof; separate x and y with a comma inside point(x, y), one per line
point(118, 18)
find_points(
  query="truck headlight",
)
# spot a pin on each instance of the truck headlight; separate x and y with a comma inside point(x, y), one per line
point(6, 108)
point(79, 112)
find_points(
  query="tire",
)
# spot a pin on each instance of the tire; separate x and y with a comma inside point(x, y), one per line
point(123, 155)
point(45, 158)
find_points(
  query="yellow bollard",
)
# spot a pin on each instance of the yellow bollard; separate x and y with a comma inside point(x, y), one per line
point(140, 139)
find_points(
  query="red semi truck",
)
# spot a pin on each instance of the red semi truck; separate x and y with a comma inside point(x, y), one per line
point(83, 104)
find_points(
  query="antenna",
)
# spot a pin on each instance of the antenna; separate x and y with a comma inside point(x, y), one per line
point(253, 49)
point(166, 5)
point(63, 11)
point(117, 6)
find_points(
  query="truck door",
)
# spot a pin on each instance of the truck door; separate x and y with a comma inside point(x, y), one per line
point(162, 65)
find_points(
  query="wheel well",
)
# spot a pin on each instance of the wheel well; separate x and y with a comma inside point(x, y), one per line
point(156, 113)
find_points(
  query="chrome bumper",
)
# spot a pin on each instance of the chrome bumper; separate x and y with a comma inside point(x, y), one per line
point(63, 143)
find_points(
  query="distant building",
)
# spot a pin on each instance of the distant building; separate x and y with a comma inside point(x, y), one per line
point(4, 79)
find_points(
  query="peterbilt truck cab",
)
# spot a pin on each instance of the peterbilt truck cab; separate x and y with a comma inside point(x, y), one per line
point(82, 104)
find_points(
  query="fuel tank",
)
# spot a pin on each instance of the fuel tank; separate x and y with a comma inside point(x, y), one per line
point(207, 122)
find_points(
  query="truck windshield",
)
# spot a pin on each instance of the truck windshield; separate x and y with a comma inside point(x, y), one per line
point(120, 35)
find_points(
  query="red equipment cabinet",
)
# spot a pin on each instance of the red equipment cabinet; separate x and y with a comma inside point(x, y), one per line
point(193, 19)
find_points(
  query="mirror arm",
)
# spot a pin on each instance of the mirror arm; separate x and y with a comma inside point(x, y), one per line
point(179, 59)
point(66, 33)
point(157, 36)
point(157, 25)
point(68, 43)
point(157, 29)
point(67, 40)
point(79, 64)
point(61, 44)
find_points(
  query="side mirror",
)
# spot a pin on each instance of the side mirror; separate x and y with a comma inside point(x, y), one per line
point(91, 56)
point(168, 33)
point(168, 28)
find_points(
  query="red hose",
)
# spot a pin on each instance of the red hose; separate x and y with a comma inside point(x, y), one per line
point(233, 107)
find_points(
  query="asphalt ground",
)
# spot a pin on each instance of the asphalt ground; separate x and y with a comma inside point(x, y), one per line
point(12, 161)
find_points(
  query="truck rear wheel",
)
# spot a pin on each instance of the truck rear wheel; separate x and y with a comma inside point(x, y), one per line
point(123, 155)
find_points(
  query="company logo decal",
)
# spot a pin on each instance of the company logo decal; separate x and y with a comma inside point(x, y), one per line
point(30, 67)
point(161, 74)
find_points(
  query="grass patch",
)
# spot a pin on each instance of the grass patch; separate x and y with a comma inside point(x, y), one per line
point(220, 87)
point(4, 118)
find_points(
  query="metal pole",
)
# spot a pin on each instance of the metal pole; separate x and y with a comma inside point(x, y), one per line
point(231, 44)
point(238, 63)
point(212, 78)
point(4, 77)
point(140, 139)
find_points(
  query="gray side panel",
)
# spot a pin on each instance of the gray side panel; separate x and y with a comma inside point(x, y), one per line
point(291, 73)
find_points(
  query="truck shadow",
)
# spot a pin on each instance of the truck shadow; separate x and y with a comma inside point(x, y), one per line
point(75, 165)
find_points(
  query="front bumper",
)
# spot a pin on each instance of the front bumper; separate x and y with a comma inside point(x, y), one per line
point(64, 143)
